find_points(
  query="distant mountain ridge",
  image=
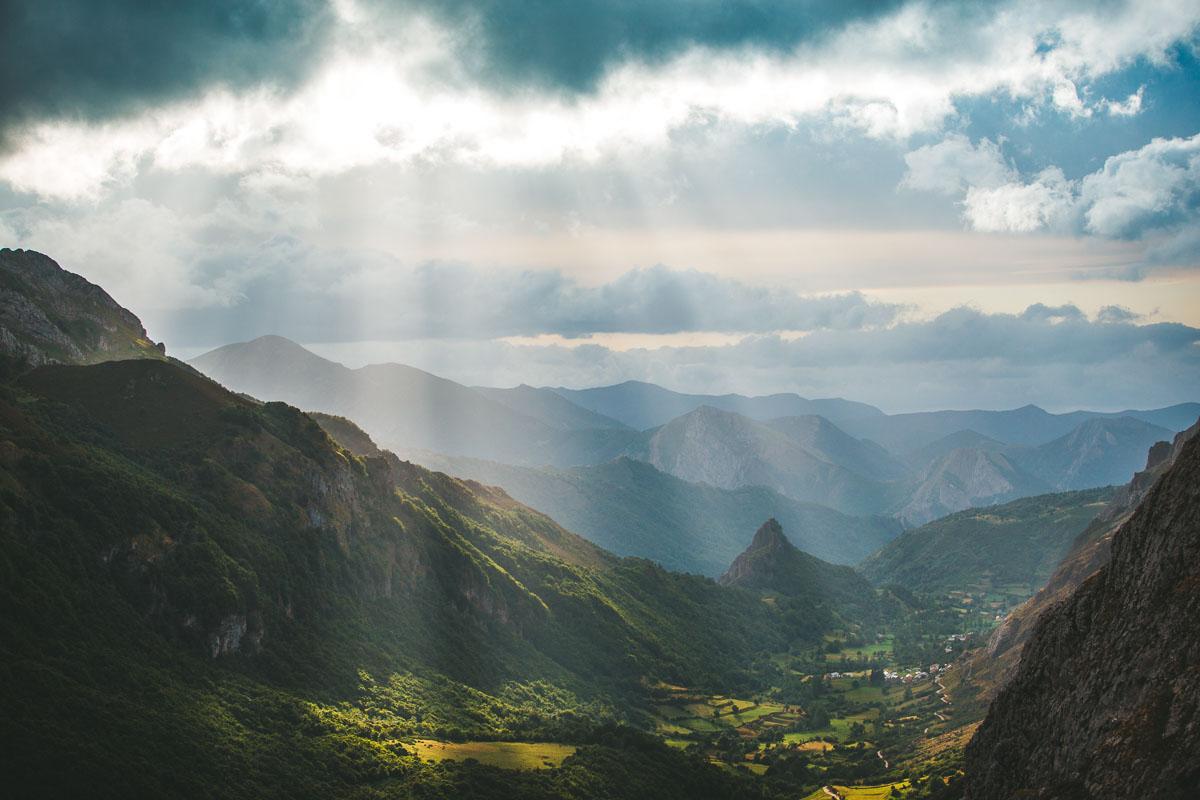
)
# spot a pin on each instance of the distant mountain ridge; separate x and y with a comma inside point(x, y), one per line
point(633, 509)
point(549, 407)
point(405, 408)
point(1027, 426)
point(1094, 454)
point(729, 450)
point(808, 458)
point(643, 405)
point(965, 478)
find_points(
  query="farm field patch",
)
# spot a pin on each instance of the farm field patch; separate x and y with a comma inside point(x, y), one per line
point(506, 755)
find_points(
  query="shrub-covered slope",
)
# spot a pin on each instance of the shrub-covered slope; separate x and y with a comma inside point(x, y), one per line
point(204, 591)
point(1016, 543)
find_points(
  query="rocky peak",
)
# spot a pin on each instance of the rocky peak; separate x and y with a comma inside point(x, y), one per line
point(758, 564)
point(770, 536)
point(49, 315)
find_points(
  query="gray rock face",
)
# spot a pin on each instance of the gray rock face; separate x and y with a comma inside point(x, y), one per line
point(964, 478)
point(1106, 700)
point(730, 451)
point(49, 315)
point(766, 549)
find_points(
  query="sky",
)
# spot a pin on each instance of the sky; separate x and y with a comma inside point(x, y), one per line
point(913, 204)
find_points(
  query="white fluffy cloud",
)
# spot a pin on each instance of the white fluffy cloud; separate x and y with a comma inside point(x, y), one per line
point(954, 165)
point(1152, 190)
point(1046, 201)
point(1143, 189)
point(375, 101)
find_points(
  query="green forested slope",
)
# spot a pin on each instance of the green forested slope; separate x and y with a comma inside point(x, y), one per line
point(1018, 543)
point(207, 596)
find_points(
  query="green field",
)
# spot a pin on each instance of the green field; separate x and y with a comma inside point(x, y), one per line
point(873, 650)
point(870, 792)
point(506, 755)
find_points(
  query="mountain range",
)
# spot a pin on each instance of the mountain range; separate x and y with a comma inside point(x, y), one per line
point(729, 442)
point(405, 408)
point(644, 405)
point(632, 508)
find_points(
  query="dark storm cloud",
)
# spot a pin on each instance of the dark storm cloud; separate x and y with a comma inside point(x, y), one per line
point(101, 58)
point(569, 45)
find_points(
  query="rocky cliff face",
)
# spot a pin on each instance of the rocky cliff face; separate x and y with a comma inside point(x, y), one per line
point(49, 315)
point(1106, 700)
point(991, 668)
point(756, 566)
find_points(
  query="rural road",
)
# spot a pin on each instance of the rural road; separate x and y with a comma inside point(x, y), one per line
point(832, 792)
point(884, 760)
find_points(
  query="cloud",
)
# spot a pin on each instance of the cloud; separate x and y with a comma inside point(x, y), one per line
point(954, 164)
point(572, 46)
point(78, 58)
point(1131, 106)
point(1044, 202)
point(1116, 314)
point(551, 82)
point(1040, 312)
point(1154, 187)
point(385, 300)
point(964, 358)
point(230, 274)
point(1153, 190)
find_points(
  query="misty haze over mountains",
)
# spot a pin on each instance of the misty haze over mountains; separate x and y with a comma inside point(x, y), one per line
point(848, 456)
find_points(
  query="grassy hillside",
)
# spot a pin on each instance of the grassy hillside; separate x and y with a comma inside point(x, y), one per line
point(206, 591)
point(1017, 544)
point(632, 508)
